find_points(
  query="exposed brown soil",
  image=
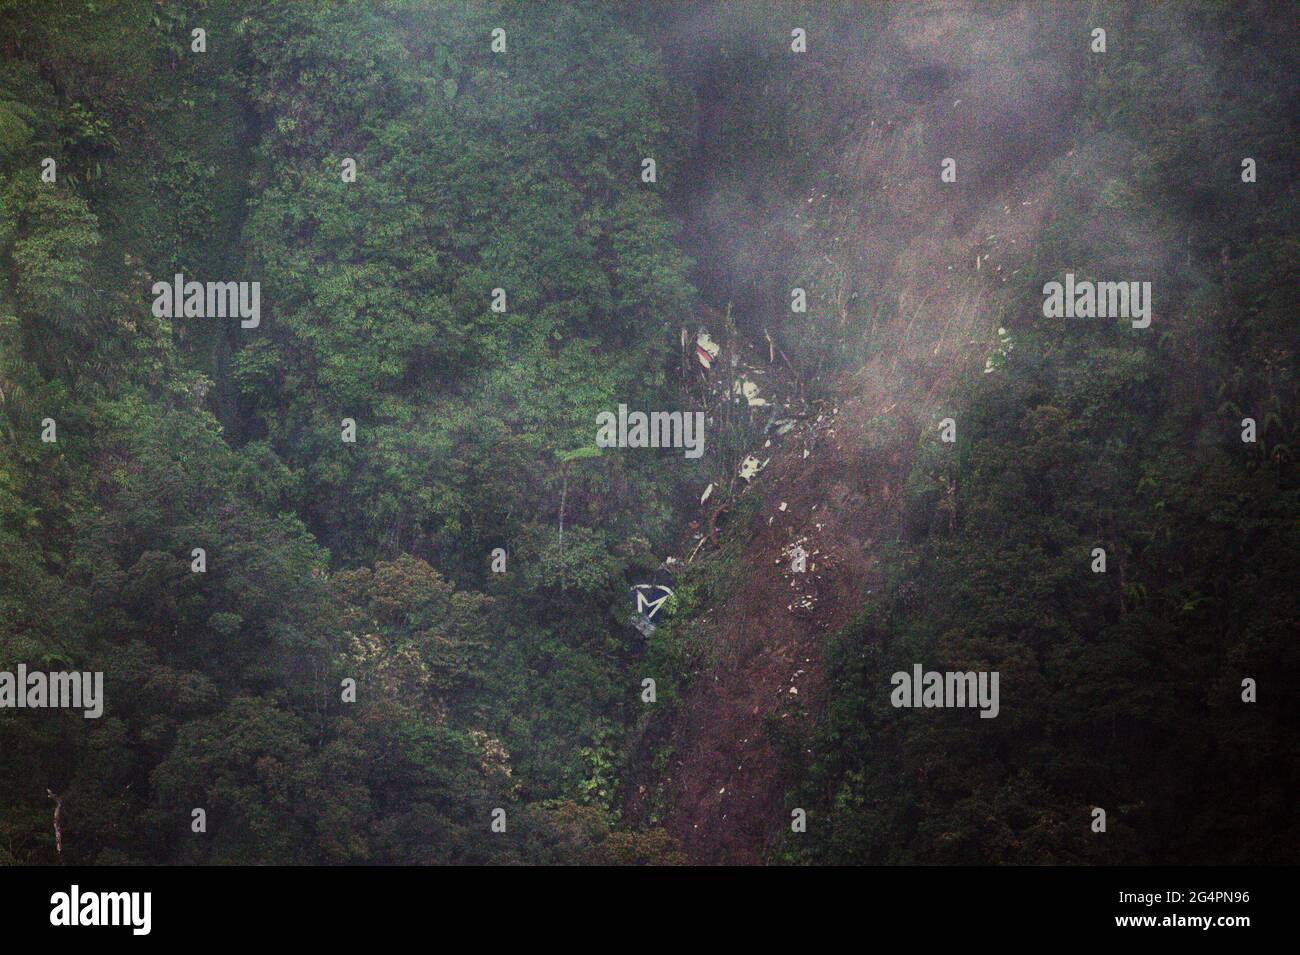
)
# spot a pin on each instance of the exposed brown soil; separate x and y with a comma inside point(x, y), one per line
point(727, 805)
point(942, 256)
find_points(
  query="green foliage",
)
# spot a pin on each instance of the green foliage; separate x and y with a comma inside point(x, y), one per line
point(329, 561)
point(1123, 689)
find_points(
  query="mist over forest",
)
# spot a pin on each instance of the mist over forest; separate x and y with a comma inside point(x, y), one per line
point(562, 433)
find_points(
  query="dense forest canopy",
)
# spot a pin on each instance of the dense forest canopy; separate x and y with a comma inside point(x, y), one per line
point(356, 574)
point(328, 560)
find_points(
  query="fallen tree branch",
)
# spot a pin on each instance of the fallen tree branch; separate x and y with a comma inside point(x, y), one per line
point(58, 829)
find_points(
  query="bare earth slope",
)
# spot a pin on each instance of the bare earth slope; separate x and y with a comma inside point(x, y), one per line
point(940, 253)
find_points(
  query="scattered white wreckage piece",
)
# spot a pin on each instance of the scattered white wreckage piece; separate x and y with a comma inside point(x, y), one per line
point(649, 597)
point(793, 553)
point(1001, 352)
point(744, 388)
point(805, 603)
point(708, 492)
point(750, 467)
point(800, 572)
point(706, 349)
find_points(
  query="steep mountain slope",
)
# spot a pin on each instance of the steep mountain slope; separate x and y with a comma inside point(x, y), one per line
point(887, 253)
point(921, 291)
